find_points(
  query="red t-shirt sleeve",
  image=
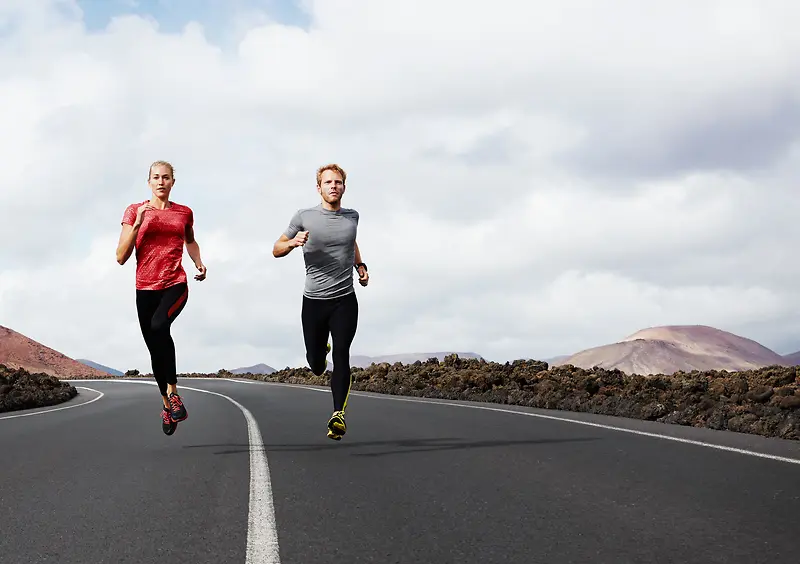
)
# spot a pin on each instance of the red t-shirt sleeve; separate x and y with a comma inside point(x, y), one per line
point(129, 217)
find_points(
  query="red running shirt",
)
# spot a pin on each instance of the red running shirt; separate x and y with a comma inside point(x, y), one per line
point(159, 245)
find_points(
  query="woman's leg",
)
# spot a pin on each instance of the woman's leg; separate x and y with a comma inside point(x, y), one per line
point(171, 302)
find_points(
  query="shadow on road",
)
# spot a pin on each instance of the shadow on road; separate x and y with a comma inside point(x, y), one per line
point(401, 446)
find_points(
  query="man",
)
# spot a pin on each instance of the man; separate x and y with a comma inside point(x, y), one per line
point(327, 233)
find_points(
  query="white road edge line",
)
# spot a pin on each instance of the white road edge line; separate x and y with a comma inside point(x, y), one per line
point(540, 416)
point(101, 394)
point(262, 532)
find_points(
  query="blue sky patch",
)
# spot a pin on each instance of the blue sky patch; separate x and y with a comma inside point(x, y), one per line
point(173, 15)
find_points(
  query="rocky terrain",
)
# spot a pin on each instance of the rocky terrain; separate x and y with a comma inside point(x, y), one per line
point(19, 351)
point(762, 398)
point(362, 361)
point(678, 348)
point(763, 401)
point(19, 389)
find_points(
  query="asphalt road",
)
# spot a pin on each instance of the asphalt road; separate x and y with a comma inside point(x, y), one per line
point(96, 481)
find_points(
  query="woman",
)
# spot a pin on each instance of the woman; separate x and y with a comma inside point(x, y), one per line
point(158, 229)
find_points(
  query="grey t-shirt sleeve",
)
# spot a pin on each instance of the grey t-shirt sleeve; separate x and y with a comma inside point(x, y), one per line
point(295, 225)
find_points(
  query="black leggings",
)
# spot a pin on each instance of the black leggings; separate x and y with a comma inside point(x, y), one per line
point(157, 310)
point(339, 317)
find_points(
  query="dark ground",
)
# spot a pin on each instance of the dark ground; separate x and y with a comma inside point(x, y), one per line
point(412, 482)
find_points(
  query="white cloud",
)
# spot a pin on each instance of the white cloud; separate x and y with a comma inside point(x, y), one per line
point(532, 179)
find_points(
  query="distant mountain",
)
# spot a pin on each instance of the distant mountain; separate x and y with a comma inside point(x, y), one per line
point(554, 360)
point(19, 351)
point(792, 359)
point(668, 349)
point(255, 369)
point(363, 361)
point(93, 364)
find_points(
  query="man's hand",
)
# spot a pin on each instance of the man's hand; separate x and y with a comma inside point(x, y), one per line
point(202, 268)
point(140, 213)
point(363, 276)
point(299, 240)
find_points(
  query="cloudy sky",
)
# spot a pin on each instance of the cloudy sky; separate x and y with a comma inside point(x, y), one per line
point(533, 178)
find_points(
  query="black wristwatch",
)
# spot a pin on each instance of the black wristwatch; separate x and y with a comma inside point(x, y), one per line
point(362, 264)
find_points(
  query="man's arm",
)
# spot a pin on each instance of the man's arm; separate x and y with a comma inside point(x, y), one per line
point(358, 254)
point(293, 237)
point(283, 246)
point(363, 275)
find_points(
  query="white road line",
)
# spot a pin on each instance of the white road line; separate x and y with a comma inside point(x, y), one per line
point(240, 381)
point(323, 390)
point(262, 532)
point(58, 408)
point(542, 416)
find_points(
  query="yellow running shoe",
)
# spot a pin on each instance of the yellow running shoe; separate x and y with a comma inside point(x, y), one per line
point(336, 426)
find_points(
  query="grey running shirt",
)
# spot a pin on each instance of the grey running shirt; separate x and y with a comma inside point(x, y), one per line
point(330, 252)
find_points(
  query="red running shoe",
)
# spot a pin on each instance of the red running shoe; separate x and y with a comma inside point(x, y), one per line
point(177, 409)
point(167, 424)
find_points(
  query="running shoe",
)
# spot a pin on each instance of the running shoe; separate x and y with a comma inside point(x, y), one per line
point(167, 424)
point(336, 426)
point(177, 409)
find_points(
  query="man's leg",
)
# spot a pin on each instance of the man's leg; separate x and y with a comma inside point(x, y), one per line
point(315, 315)
point(344, 322)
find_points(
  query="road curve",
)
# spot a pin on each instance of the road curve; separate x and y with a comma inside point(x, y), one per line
point(413, 481)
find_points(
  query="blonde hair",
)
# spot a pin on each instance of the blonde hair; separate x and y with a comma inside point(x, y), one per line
point(334, 168)
point(161, 163)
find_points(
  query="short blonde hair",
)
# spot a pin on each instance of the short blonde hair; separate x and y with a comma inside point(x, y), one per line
point(334, 168)
point(161, 163)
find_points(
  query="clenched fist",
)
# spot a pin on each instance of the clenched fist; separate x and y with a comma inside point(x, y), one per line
point(140, 213)
point(300, 239)
point(363, 276)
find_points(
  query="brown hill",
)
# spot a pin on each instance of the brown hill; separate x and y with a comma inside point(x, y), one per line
point(669, 349)
point(18, 351)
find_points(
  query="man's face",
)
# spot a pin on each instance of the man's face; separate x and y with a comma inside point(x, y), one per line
point(331, 187)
